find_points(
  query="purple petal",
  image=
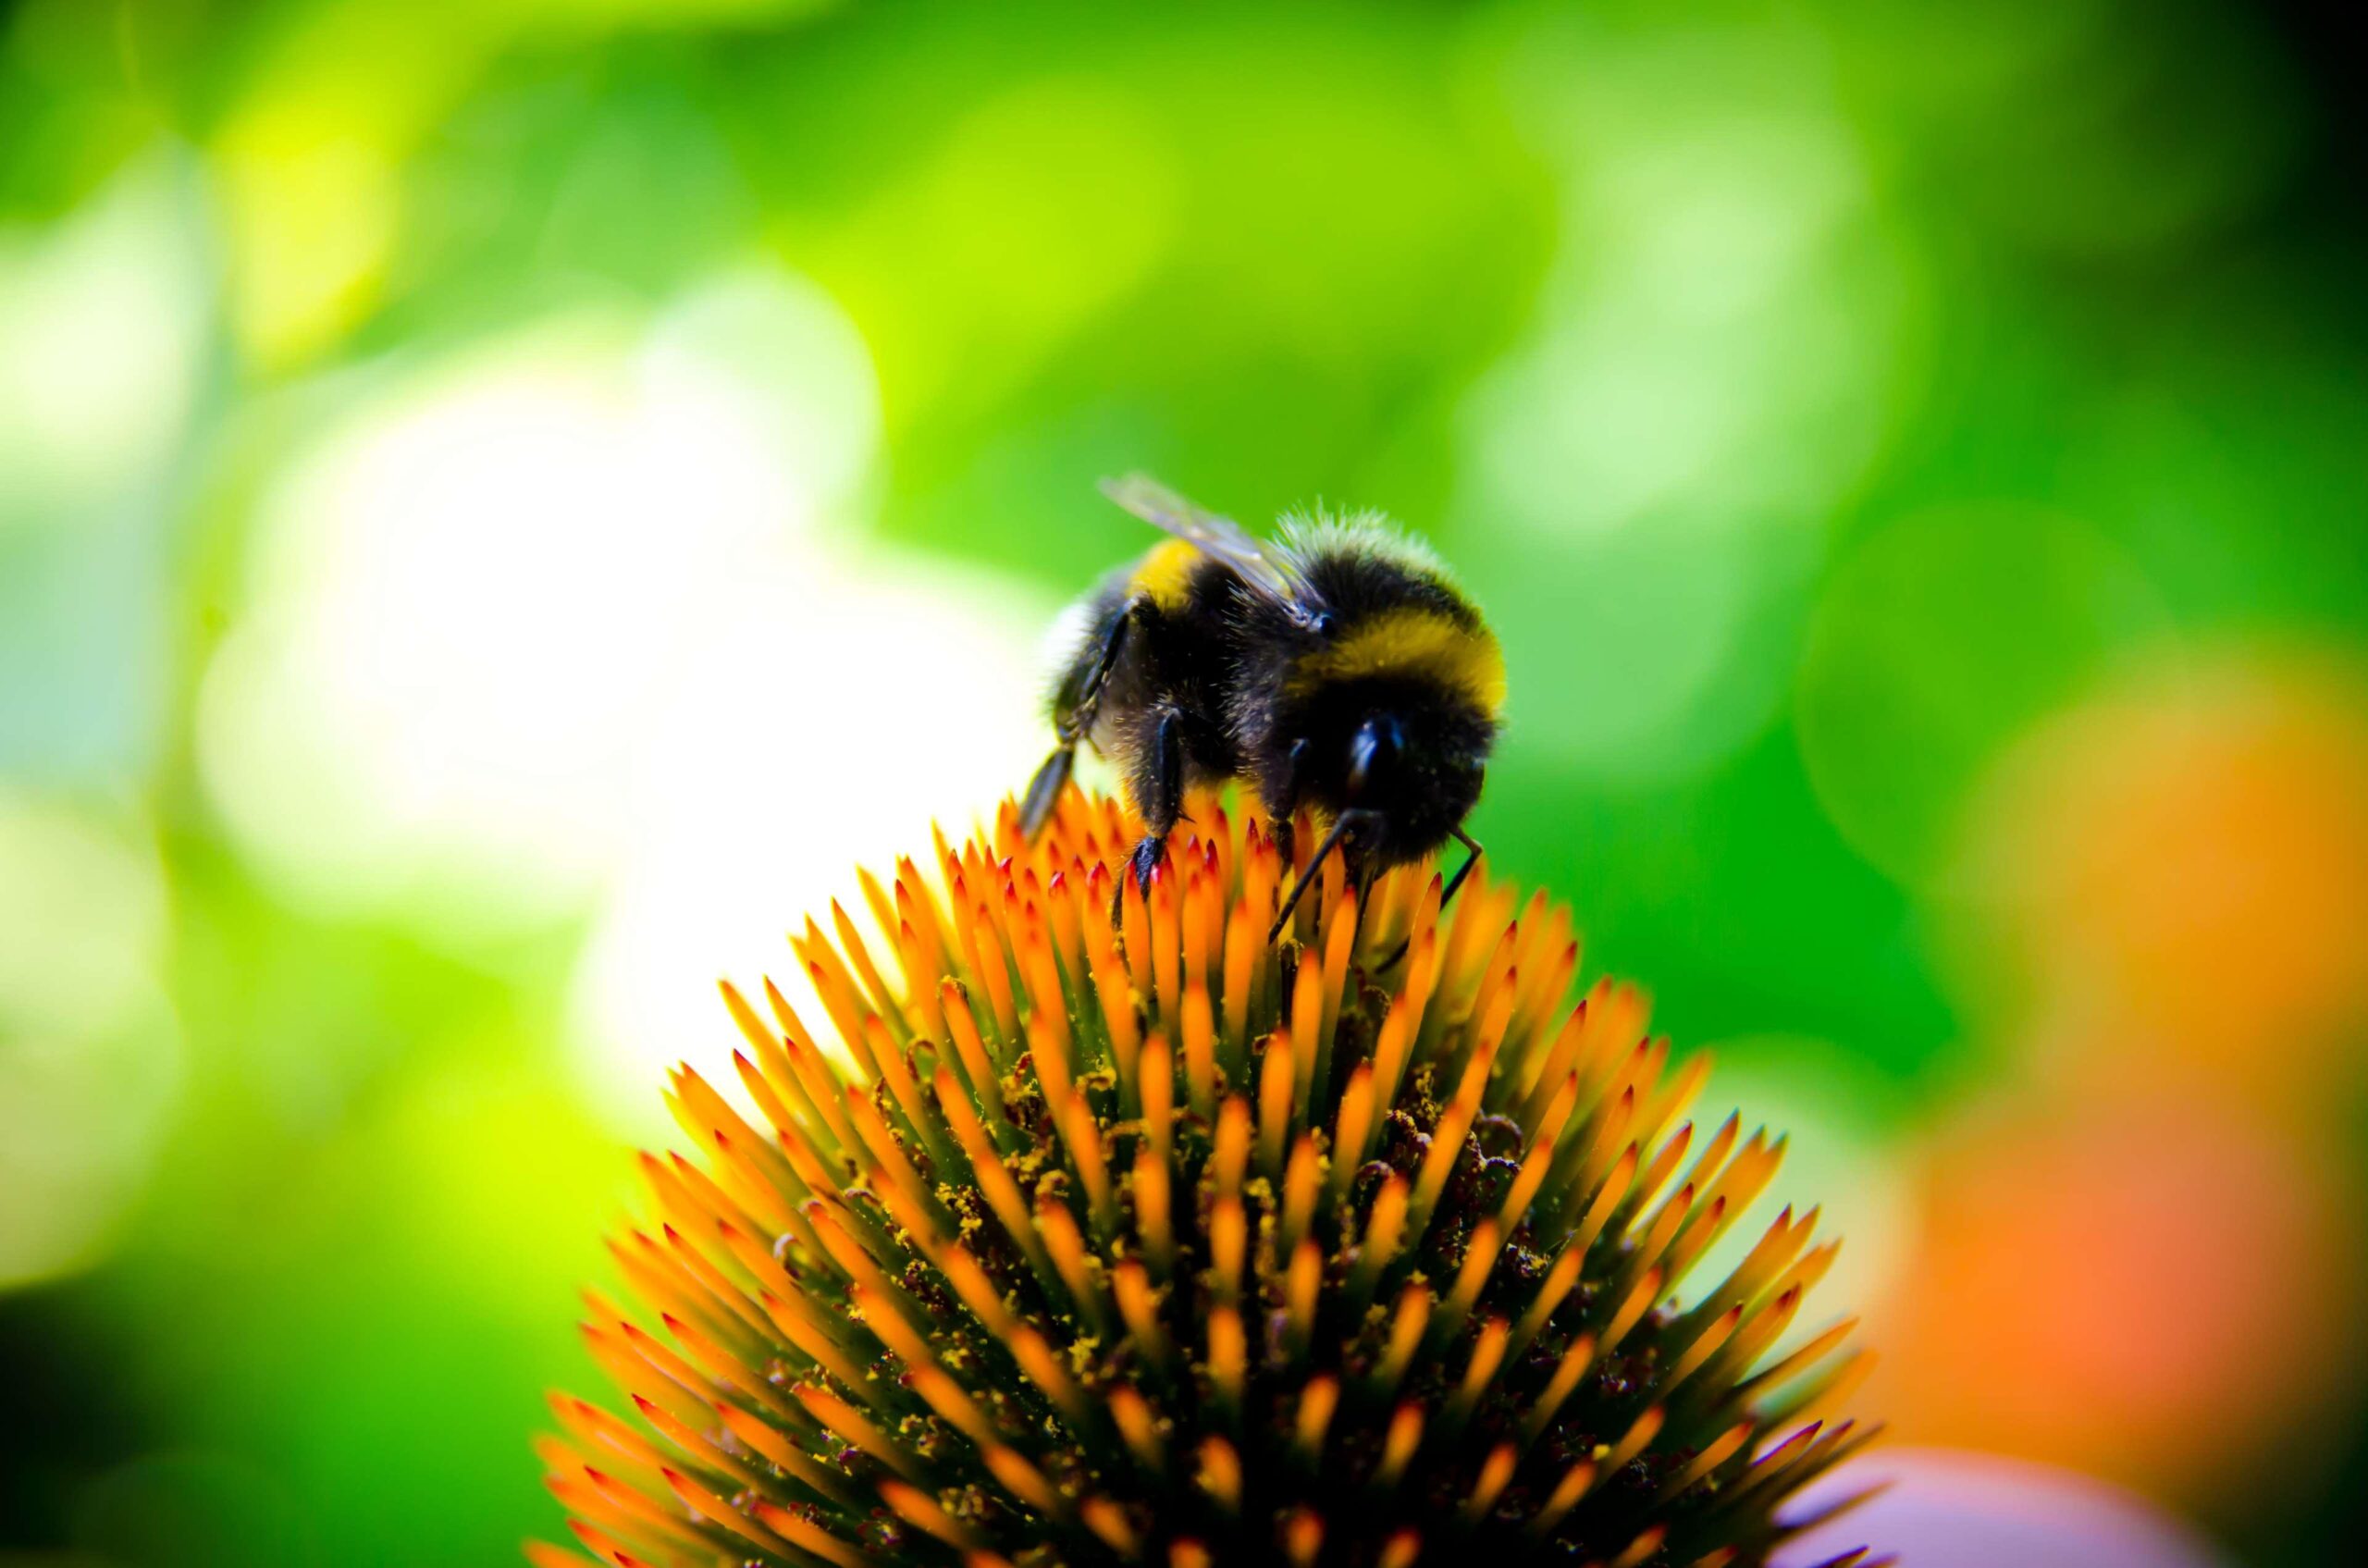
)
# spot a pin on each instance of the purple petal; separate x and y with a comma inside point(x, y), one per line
point(1949, 1509)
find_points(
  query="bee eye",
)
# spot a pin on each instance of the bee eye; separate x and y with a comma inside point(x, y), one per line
point(1322, 624)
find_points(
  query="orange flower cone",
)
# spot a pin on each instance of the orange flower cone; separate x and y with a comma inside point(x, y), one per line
point(1163, 1244)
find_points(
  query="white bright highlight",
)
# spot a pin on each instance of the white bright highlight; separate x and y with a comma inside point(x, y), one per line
point(567, 626)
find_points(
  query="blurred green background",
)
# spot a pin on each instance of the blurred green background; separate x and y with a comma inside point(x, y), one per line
point(502, 502)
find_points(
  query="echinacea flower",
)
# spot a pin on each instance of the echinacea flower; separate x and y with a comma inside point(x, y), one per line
point(1165, 1244)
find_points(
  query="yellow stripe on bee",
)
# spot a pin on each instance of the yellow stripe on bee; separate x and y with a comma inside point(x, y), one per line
point(1166, 574)
point(1413, 642)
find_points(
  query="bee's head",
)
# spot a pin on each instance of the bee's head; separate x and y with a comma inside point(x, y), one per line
point(1406, 774)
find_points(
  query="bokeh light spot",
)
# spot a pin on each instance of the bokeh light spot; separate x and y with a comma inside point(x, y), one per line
point(1725, 317)
point(103, 317)
point(1934, 643)
point(473, 597)
point(2145, 1289)
point(2179, 871)
point(1714, 365)
point(750, 789)
point(1641, 652)
point(89, 1051)
point(1042, 208)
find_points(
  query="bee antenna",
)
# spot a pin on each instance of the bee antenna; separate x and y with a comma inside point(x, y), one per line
point(1341, 827)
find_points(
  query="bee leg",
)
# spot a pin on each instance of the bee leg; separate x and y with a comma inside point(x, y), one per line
point(1146, 859)
point(1072, 716)
point(1286, 801)
point(1148, 854)
point(1464, 870)
point(1158, 790)
point(1044, 790)
point(1342, 825)
point(1077, 708)
point(1447, 894)
point(1368, 872)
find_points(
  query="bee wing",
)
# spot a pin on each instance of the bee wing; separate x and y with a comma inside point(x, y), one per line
point(1221, 538)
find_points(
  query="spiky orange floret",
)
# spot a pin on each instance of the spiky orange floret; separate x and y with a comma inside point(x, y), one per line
point(1164, 1244)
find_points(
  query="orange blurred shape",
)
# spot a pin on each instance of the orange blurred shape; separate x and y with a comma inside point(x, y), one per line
point(2182, 867)
point(2145, 1289)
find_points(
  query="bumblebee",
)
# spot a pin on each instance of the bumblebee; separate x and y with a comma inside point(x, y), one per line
point(1338, 668)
